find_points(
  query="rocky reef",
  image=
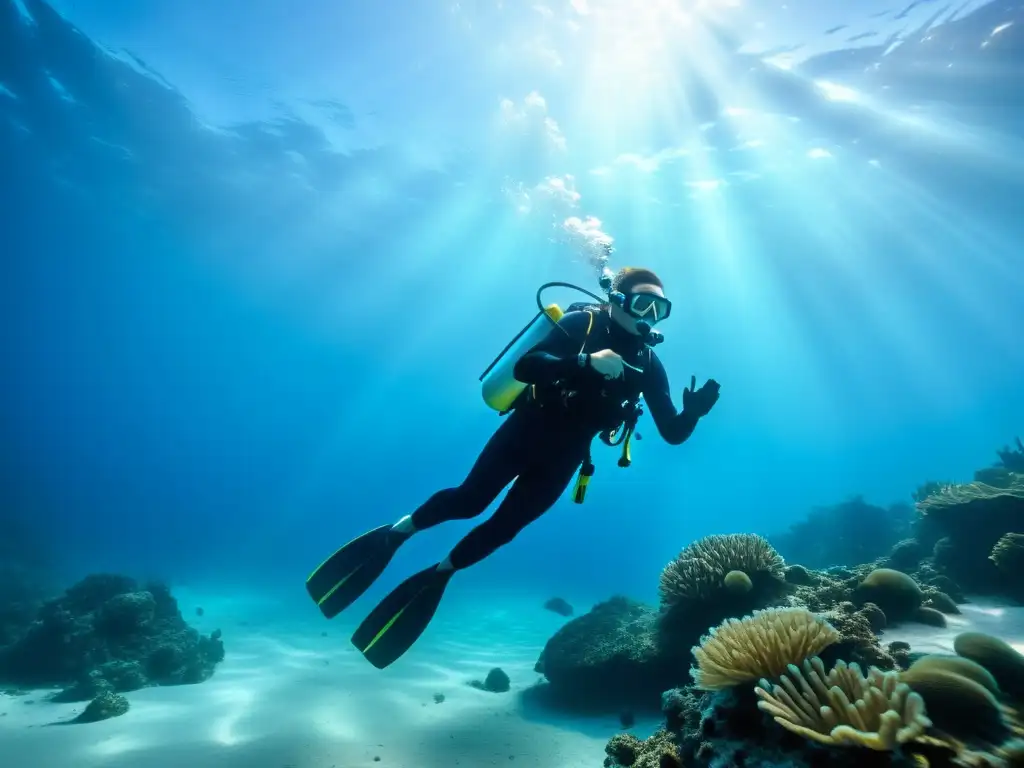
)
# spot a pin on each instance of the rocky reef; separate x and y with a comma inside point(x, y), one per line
point(860, 532)
point(758, 661)
point(106, 635)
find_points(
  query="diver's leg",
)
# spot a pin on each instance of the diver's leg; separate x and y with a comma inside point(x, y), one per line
point(534, 492)
point(497, 465)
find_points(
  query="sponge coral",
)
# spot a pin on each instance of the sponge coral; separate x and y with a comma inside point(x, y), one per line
point(763, 644)
point(699, 571)
point(845, 708)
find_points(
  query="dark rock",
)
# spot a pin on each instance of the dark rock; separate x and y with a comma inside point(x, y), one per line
point(608, 658)
point(103, 707)
point(799, 576)
point(106, 634)
point(496, 682)
point(559, 606)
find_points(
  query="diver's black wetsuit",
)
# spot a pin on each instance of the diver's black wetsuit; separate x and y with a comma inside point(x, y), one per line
point(545, 440)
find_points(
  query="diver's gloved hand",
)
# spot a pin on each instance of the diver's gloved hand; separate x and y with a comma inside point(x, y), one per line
point(699, 402)
point(607, 363)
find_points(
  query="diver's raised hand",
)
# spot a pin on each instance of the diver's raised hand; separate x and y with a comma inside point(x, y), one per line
point(607, 363)
point(699, 402)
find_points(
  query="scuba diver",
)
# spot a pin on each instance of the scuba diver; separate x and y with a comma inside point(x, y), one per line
point(583, 379)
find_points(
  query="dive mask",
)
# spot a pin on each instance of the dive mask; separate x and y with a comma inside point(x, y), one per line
point(648, 307)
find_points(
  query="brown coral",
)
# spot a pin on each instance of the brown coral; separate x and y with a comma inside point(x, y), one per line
point(894, 592)
point(843, 707)
point(699, 571)
point(858, 641)
point(659, 751)
point(1008, 554)
point(763, 644)
point(956, 498)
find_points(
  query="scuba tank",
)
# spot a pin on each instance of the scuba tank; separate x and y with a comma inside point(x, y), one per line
point(500, 387)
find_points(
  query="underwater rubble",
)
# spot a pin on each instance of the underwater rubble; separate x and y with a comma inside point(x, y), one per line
point(760, 662)
point(106, 635)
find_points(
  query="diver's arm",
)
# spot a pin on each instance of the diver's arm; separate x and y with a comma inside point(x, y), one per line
point(557, 355)
point(674, 427)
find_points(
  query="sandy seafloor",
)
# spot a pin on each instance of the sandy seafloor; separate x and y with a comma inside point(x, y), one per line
point(288, 696)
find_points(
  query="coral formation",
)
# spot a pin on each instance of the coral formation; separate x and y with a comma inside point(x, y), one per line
point(969, 520)
point(843, 707)
point(658, 751)
point(998, 657)
point(738, 582)
point(763, 644)
point(713, 579)
point(799, 576)
point(940, 601)
point(905, 555)
point(858, 641)
point(929, 616)
point(848, 533)
point(808, 635)
point(699, 571)
point(106, 633)
point(896, 593)
point(956, 665)
point(1008, 556)
point(957, 704)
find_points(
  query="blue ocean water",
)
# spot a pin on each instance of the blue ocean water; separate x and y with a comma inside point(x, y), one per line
point(256, 256)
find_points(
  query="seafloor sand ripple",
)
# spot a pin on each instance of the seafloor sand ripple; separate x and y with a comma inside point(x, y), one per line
point(289, 697)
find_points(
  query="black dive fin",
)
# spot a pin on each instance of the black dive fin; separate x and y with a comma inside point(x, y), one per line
point(400, 618)
point(344, 576)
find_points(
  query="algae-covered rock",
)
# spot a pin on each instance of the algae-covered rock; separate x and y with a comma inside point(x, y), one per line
point(103, 707)
point(799, 576)
point(929, 616)
point(971, 518)
point(940, 601)
point(658, 751)
point(896, 593)
point(497, 681)
point(608, 657)
point(956, 703)
point(109, 634)
point(997, 656)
